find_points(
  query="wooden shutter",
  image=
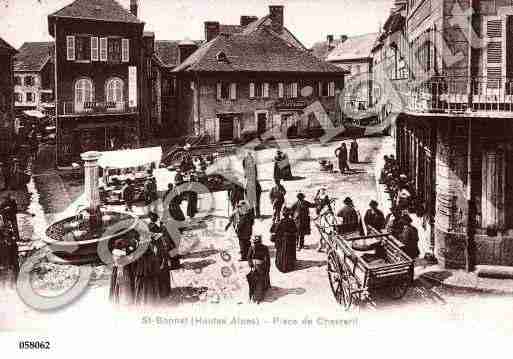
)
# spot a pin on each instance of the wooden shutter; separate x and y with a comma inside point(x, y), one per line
point(294, 89)
point(103, 49)
point(125, 50)
point(280, 90)
point(94, 49)
point(251, 90)
point(233, 91)
point(70, 48)
point(494, 53)
point(219, 89)
point(332, 89)
point(320, 89)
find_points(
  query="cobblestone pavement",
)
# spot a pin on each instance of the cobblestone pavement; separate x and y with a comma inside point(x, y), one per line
point(211, 274)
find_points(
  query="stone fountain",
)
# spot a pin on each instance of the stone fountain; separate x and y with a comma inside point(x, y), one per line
point(75, 239)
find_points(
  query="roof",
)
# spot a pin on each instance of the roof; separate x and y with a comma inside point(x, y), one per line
point(354, 48)
point(33, 56)
point(321, 49)
point(258, 51)
point(102, 10)
point(168, 51)
point(5, 46)
point(230, 29)
point(265, 22)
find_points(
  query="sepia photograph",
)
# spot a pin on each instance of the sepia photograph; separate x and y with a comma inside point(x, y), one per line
point(207, 177)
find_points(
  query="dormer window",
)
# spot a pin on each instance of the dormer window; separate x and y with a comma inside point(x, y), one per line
point(221, 57)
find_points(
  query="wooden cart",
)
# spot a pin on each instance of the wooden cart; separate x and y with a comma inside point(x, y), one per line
point(356, 275)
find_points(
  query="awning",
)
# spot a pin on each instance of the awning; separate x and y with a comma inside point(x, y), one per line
point(131, 158)
point(34, 113)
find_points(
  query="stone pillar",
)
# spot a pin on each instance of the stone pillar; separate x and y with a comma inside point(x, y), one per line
point(91, 180)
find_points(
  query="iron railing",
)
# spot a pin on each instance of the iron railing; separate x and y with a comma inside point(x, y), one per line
point(94, 107)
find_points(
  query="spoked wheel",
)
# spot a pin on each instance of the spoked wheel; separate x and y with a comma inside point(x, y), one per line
point(178, 156)
point(398, 291)
point(339, 281)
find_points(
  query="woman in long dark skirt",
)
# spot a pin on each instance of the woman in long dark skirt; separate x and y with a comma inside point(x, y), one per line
point(259, 262)
point(286, 236)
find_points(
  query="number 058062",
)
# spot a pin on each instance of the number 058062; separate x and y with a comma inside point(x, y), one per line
point(34, 345)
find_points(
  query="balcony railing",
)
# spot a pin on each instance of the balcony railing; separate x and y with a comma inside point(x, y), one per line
point(93, 107)
point(459, 95)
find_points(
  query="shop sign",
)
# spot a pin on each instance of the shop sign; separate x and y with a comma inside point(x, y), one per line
point(290, 104)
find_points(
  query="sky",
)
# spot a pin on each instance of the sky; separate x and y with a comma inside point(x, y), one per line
point(310, 21)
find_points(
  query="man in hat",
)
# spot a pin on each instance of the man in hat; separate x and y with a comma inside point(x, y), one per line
point(128, 195)
point(242, 220)
point(374, 217)
point(409, 237)
point(277, 196)
point(253, 193)
point(259, 262)
point(301, 211)
point(349, 217)
point(353, 152)
point(341, 154)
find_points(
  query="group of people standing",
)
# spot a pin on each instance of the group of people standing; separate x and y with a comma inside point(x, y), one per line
point(343, 158)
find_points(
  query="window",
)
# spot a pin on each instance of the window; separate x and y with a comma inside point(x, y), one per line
point(83, 92)
point(18, 97)
point(30, 97)
point(258, 90)
point(114, 91)
point(17, 80)
point(226, 91)
point(46, 97)
point(29, 81)
point(82, 48)
point(280, 90)
point(169, 87)
point(324, 90)
point(265, 90)
point(114, 50)
point(292, 90)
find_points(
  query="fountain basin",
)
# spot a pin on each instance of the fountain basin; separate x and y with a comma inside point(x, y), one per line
point(74, 242)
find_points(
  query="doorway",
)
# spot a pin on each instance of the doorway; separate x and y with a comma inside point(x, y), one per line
point(226, 127)
point(261, 123)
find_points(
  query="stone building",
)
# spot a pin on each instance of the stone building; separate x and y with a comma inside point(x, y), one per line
point(7, 53)
point(455, 132)
point(102, 93)
point(244, 84)
point(354, 54)
point(34, 77)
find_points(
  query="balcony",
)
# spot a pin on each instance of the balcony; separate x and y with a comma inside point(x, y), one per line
point(97, 108)
point(475, 97)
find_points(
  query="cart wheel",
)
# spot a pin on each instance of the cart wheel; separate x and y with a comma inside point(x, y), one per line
point(339, 281)
point(398, 291)
point(178, 156)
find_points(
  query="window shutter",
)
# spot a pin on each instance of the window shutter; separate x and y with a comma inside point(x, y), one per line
point(70, 45)
point(280, 90)
point(125, 50)
point(494, 52)
point(233, 91)
point(266, 90)
point(251, 90)
point(103, 49)
point(219, 91)
point(320, 89)
point(332, 88)
point(94, 49)
point(295, 90)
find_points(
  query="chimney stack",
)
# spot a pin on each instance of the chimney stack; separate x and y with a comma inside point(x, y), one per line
point(246, 20)
point(276, 15)
point(329, 39)
point(212, 30)
point(133, 7)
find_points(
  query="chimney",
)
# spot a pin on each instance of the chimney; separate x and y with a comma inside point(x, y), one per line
point(246, 20)
point(329, 40)
point(186, 48)
point(212, 29)
point(276, 15)
point(133, 7)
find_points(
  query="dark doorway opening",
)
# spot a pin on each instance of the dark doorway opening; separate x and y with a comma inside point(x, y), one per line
point(261, 123)
point(226, 127)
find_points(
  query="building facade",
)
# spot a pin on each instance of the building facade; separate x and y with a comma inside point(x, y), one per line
point(101, 76)
point(455, 129)
point(229, 89)
point(7, 53)
point(34, 78)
